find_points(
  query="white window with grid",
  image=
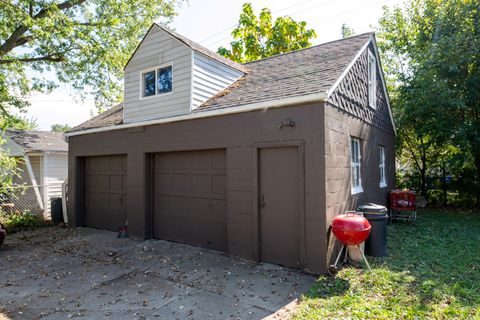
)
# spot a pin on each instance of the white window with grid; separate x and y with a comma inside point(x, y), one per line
point(356, 166)
point(372, 80)
point(381, 165)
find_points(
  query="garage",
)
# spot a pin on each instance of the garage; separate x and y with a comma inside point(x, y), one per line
point(105, 192)
point(190, 198)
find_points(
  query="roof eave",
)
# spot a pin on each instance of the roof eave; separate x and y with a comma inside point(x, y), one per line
point(277, 103)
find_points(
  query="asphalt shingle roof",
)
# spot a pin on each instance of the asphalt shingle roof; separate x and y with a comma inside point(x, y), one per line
point(111, 117)
point(297, 73)
point(39, 141)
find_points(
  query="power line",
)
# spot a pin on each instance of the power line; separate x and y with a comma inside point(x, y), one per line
point(325, 19)
point(273, 12)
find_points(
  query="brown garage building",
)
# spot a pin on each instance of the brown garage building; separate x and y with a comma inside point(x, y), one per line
point(251, 159)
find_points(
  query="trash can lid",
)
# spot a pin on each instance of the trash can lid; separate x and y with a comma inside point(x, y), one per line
point(372, 208)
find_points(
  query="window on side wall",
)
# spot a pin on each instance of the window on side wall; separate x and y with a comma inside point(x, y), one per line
point(355, 155)
point(157, 81)
point(381, 165)
point(372, 80)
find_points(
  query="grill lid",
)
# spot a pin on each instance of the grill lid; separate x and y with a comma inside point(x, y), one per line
point(350, 222)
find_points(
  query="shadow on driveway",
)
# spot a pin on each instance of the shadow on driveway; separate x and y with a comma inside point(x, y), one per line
point(58, 273)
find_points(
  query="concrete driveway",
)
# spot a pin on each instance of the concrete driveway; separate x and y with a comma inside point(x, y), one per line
point(60, 273)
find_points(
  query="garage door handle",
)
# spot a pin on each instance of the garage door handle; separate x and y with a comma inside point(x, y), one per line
point(261, 202)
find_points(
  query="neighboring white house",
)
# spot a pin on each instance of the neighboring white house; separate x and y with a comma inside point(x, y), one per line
point(44, 167)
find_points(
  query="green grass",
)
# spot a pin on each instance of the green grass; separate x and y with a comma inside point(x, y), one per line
point(432, 272)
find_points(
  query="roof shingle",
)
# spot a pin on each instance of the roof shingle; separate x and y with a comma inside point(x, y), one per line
point(39, 141)
point(297, 73)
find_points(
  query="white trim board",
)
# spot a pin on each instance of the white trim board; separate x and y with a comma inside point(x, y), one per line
point(34, 181)
point(316, 97)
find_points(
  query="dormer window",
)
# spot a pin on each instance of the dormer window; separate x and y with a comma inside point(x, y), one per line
point(157, 81)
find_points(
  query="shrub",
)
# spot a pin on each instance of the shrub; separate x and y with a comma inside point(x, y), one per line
point(16, 222)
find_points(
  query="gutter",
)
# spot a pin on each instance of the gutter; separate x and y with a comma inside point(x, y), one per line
point(277, 103)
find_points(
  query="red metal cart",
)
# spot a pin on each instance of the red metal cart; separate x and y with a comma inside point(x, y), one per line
point(403, 205)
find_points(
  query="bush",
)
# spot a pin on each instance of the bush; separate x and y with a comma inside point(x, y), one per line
point(16, 222)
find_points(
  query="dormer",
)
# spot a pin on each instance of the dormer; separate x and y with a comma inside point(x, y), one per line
point(169, 75)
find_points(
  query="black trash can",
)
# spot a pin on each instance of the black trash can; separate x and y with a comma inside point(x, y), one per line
point(376, 243)
point(56, 210)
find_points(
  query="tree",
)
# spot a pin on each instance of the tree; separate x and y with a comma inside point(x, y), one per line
point(259, 37)
point(347, 31)
point(8, 164)
point(60, 128)
point(83, 42)
point(432, 54)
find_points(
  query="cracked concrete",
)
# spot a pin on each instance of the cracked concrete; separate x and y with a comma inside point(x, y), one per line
point(60, 273)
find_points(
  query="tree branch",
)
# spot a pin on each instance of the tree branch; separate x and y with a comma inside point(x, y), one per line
point(23, 40)
point(49, 58)
point(12, 41)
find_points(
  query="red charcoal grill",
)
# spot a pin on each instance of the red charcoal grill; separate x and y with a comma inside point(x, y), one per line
point(403, 205)
point(351, 229)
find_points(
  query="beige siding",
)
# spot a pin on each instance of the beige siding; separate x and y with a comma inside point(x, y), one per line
point(209, 78)
point(157, 49)
point(37, 167)
point(56, 172)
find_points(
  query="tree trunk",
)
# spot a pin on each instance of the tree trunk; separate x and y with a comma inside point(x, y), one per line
point(477, 185)
point(444, 184)
point(423, 176)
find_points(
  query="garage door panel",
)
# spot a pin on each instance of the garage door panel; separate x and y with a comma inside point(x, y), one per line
point(163, 183)
point(219, 184)
point(201, 207)
point(163, 203)
point(201, 160)
point(201, 183)
point(179, 206)
point(219, 207)
point(102, 164)
point(181, 184)
point(116, 182)
point(164, 164)
point(116, 164)
point(219, 160)
point(181, 162)
point(189, 198)
point(91, 181)
point(105, 192)
point(115, 201)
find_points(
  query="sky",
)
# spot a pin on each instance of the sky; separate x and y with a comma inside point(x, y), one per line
point(209, 23)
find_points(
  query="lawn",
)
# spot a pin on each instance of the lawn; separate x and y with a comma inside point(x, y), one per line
point(432, 272)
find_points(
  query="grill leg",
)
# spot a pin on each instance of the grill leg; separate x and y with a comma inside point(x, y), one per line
point(339, 255)
point(364, 259)
point(346, 255)
point(333, 268)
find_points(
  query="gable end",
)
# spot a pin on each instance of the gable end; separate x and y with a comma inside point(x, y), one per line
point(350, 93)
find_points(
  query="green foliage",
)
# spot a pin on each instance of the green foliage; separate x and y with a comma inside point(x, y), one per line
point(16, 222)
point(347, 31)
point(431, 53)
point(60, 128)
point(430, 273)
point(84, 42)
point(8, 169)
point(259, 37)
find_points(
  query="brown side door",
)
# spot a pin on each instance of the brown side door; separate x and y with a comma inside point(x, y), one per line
point(105, 192)
point(190, 198)
point(279, 206)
